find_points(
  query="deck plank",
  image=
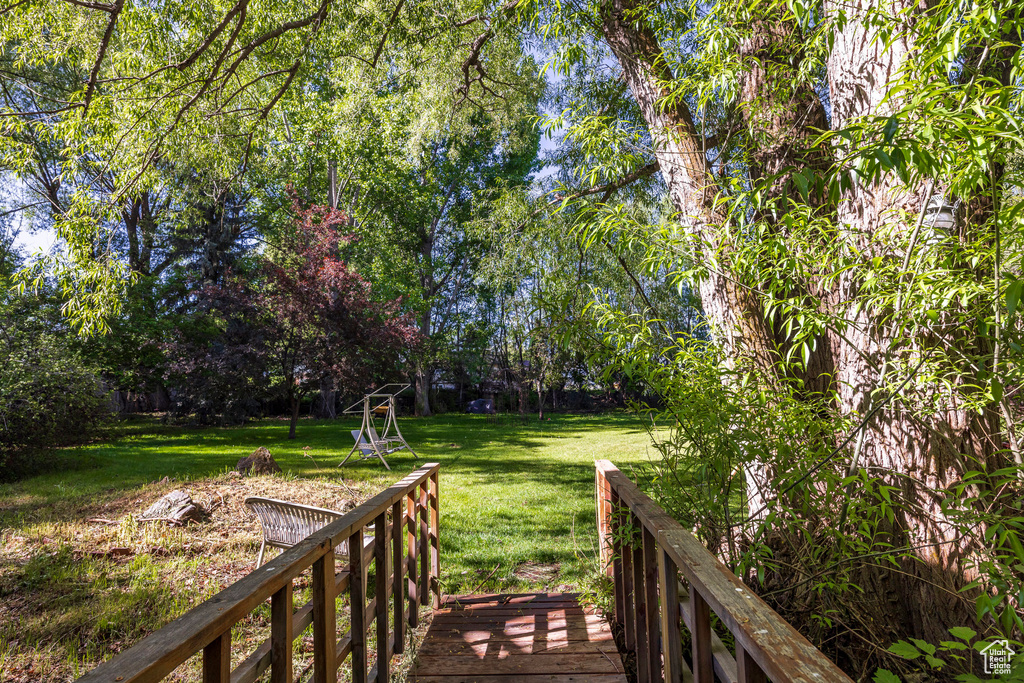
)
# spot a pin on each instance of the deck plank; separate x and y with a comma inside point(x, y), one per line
point(536, 678)
point(531, 637)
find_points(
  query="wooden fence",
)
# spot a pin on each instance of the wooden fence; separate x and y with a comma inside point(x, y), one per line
point(406, 559)
point(651, 604)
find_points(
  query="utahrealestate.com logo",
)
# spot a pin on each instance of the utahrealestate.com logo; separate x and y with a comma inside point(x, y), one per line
point(996, 657)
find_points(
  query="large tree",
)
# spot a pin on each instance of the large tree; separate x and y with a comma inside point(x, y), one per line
point(801, 146)
point(105, 105)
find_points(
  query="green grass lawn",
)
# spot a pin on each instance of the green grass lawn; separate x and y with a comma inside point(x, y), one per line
point(511, 493)
point(81, 579)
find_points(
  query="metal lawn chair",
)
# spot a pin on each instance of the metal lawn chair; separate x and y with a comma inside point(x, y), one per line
point(285, 524)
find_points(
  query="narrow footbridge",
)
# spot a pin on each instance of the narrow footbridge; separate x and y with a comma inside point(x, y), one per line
point(666, 585)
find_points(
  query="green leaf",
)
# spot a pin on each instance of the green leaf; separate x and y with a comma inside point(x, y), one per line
point(885, 676)
point(891, 126)
point(904, 649)
point(923, 645)
point(801, 183)
point(884, 159)
point(963, 633)
point(1013, 292)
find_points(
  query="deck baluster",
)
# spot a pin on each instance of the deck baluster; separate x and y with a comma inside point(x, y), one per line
point(424, 550)
point(325, 669)
point(414, 599)
point(700, 632)
point(671, 639)
point(435, 527)
point(653, 625)
point(357, 606)
point(281, 635)
point(398, 578)
point(749, 670)
point(381, 579)
point(217, 659)
point(616, 555)
point(643, 659)
point(628, 605)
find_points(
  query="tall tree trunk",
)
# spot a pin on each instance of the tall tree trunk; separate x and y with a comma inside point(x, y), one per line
point(293, 400)
point(424, 373)
point(423, 389)
point(540, 400)
point(325, 404)
point(923, 452)
point(927, 450)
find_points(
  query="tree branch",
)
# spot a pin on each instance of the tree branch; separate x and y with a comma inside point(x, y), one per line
point(387, 32)
point(628, 179)
point(95, 5)
point(114, 13)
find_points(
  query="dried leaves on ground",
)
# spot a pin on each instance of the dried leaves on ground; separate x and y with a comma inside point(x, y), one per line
point(84, 578)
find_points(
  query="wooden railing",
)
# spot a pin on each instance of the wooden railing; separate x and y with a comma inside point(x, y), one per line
point(646, 551)
point(406, 560)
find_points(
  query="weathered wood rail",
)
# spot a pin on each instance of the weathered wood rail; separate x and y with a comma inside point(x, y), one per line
point(406, 559)
point(652, 604)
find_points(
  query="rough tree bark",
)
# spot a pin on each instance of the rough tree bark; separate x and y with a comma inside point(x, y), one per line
point(928, 451)
point(423, 372)
point(846, 364)
point(293, 405)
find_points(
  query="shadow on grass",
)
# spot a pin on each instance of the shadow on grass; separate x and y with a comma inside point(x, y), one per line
point(510, 492)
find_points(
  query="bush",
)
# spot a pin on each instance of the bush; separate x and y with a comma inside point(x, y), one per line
point(48, 396)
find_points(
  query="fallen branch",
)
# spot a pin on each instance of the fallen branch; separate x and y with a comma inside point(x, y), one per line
point(479, 585)
point(215, 504)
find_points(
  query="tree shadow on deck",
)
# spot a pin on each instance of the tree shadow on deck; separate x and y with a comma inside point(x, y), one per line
point(525, 635)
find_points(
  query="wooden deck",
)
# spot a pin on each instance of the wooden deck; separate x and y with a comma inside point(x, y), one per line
point(527, 637)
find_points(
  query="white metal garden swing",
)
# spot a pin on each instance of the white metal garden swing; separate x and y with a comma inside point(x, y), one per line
point(390, 440)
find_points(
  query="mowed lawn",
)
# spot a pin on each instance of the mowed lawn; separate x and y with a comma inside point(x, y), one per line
point(512, 493)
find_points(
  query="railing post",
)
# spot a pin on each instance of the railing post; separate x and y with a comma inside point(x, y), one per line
point(626, 553)
point(357, 605)
point(435, 525)
point(700, 633)
point(424, 546)
point(414, 599)
point(380, 563)
point(603, 524)
point(281, 635)
point(748, 670)
point(671, 639)
point(653, 625)
point(217, 659)
point(643, 659)
point(325, 670)
point(398, 577)
point(616, 565)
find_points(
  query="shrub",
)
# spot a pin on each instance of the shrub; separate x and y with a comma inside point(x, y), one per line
point(49, 396)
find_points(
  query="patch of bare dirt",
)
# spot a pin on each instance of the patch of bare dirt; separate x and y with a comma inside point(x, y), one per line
point(537, 572)
point(83, 579)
